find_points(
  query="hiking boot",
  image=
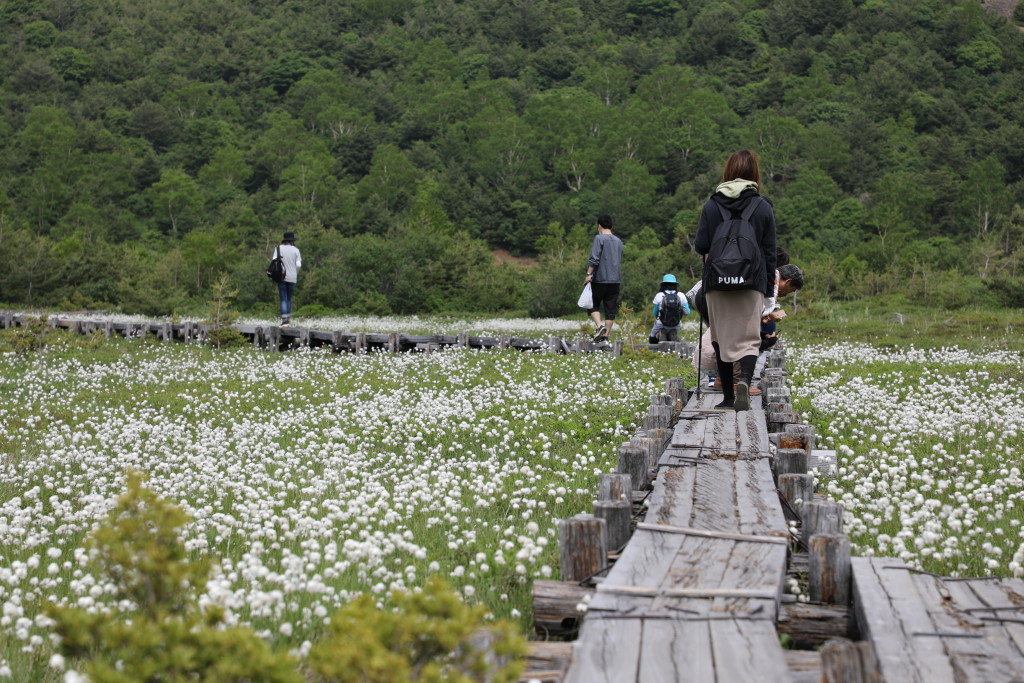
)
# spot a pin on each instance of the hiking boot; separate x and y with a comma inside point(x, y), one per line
point(727, 404)
point(742, 396)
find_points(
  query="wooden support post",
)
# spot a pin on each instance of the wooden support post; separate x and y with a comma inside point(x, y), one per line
point(649, 446)
point(337, 340)
point(617, 349)
point(789, 439)
point(829, 569)
point(258, 338)
point(273, 338)
point(554, 345)
point(790, 461)
point(806, 431)
point(360, 342)
point(8, 320)
point(505, 341)
point(797, 489)
point(303, 338)
point(616, 515)
point(583, 546)
point(167, 332)
point(822, 517)
point(662, 401)
point(662, 438)
point(844, 661)
point(204, 330)
point(108, 329)
point(658, 417)
point(676, 388)
point(633, 461)
point(462, 340)
point(614, 486)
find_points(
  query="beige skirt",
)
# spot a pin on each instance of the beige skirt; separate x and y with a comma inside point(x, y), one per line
point(736, 322)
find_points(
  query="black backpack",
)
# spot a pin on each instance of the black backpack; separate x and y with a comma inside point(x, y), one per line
point(735, 260)
point(275, 271)
point(670, 312)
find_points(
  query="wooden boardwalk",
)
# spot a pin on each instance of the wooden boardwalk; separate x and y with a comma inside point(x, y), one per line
point(695, 595)
point(276, 338)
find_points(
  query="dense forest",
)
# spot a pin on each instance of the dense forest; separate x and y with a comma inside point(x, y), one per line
point(150, 146)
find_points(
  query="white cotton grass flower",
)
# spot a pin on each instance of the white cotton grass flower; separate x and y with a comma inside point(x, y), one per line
point(933, 472)
point(356, 474)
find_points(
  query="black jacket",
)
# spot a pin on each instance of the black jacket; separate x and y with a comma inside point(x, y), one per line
point(763, 220)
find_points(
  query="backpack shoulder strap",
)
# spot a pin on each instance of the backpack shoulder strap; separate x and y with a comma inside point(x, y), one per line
point(726, 213)
point(752, 207)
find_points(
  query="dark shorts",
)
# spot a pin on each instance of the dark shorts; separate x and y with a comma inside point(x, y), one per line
point(608, 294)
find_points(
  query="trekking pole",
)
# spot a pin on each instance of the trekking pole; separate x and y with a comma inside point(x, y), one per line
point(700, 347)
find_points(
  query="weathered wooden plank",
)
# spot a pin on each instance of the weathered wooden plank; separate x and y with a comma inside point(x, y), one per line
point(990, 658)
point(889, 611)
point(1001, 594)
point(676, 651)
point(690, 531)
point(671, 501)
point(680, 457)
point(608, 651)
point(747, 650)
point(714, 492)
point(752, 431)
point(759, 569)
point(757, 500)
point(644, 563)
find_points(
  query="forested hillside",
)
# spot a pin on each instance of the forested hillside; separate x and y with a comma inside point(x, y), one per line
point(148, 146)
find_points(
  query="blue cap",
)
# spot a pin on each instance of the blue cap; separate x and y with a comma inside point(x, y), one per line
point(670, 278)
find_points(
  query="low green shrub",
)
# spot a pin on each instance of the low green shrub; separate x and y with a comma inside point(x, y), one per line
point(165, 636)
point(430, 635)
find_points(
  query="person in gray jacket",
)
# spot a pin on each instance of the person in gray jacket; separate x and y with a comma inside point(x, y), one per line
point(604, 275)
point(286, 288)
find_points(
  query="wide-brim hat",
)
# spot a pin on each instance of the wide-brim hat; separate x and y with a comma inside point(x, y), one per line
point(288, 237)
point(669, 278)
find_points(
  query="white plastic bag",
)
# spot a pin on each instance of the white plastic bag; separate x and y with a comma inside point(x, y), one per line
point(586, 298)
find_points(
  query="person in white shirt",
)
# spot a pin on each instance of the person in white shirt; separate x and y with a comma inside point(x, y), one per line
point(286, 288)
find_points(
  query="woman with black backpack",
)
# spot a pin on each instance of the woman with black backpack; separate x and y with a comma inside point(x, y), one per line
point(736, 237)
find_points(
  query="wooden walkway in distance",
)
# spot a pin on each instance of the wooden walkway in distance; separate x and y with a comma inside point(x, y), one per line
point(695, 594)
point(277, 338)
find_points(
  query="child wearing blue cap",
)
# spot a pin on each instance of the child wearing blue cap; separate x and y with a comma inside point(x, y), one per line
point(669, 308)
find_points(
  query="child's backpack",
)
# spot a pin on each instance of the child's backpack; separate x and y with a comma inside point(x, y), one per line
point(735, 260)
point(670, 312)
point(275, 271)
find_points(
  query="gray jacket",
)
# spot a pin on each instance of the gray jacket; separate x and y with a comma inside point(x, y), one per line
point(606, 258)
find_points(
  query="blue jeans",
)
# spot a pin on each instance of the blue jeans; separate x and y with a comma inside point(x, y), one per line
point(286, 290)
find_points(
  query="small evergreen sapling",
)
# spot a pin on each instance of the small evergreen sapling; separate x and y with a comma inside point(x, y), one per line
point(220, 317)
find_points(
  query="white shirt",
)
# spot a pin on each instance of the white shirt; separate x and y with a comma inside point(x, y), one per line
point(292, 262)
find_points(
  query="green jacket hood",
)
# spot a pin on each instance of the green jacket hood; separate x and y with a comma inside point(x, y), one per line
point(733, 188)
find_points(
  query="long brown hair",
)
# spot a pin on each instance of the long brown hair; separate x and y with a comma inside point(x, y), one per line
point(743, 164)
